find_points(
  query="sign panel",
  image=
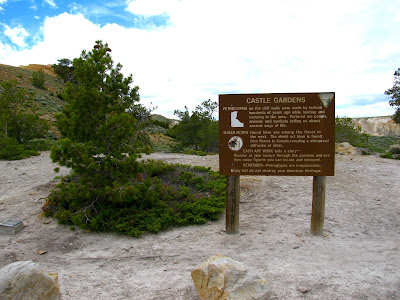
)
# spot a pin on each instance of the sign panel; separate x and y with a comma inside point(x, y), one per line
point(277, 134)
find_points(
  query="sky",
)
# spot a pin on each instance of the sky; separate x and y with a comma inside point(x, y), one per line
point(183, 52)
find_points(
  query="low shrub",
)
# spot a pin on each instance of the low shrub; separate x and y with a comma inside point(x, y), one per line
point(38, 79)
point(10, 149)
point(394, 149)
point(387, 155)
point(391, 156)
point(152, 128)
point(194, 152)
point(381, 143)
point(346, 131)
point(163, 195)
point(39, 144)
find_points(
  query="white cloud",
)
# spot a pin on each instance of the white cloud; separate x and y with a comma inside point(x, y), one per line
point(372, 110)
point(64, 36)
point(75, 8)
point(227, 46)
point(17, 35)
point(151, 7)
point(5, 50)
point(51, 3)
point(33, 5)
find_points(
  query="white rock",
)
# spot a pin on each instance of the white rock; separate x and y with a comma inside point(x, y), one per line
point(221, 277)
point(25, 280)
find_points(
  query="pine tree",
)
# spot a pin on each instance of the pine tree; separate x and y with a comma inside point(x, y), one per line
point(394, 94)
point(100, 134)
point(19, 122)
point(198, 130)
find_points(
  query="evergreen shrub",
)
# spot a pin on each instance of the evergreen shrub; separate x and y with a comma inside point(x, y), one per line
point(346, 131)
point(164, 195)
point(103, 134)
point(38, 79)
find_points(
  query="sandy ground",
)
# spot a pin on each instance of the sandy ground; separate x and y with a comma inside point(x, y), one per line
point(358, 257)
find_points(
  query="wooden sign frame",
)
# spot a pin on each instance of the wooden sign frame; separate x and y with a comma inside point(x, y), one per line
point(286, 134)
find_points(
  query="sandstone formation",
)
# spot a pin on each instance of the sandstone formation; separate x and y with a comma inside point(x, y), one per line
point(221, 277)
point(26, 281)
point(345, 149)
point(378, 126)
point(48, 69)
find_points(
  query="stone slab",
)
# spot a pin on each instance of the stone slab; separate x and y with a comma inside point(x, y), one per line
point(11, 227)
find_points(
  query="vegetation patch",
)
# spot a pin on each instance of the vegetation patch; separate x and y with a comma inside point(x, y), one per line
point(161, 196)
point(346, 131)
point(162, 143)
point(103, 132)
point(390, 156)
point(20, 126)
point(39, 80)
point(381, 144)
point(198, 153)
point(197, 130)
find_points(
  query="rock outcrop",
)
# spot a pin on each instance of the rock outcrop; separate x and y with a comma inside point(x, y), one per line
point(378, 126)
point(25, 280)
point(345, 149)
point(221, 277)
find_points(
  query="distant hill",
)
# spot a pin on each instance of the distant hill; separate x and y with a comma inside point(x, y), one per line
point(48, 69)
point(161, 118)
point(49, 103)
point(47, 100)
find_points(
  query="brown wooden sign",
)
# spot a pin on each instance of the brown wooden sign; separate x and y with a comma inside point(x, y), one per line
point(277, 134)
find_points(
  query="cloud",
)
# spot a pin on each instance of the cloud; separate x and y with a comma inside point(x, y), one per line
point(363, 99)
point(1, 3)
point(17, 35)
point(64, 36)
point(75, 8)
point(51, 3)
point(213, 47)
point(151, 7)
point(378, 109)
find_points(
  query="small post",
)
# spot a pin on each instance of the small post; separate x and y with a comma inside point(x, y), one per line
point(232, 204)
point(318, 205)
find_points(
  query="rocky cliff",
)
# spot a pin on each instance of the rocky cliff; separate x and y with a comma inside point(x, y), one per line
point(378, 126)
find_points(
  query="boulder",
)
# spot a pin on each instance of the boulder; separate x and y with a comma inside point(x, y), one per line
point(25, 280)
point(345, 149)
point(221, 277)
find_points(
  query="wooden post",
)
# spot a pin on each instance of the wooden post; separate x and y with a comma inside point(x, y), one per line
point(318, 205)
point(232, 204)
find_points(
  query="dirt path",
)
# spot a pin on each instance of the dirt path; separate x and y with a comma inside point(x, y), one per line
point(357, 259)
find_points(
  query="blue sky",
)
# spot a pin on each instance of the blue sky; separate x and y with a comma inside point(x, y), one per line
point(182, 52)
